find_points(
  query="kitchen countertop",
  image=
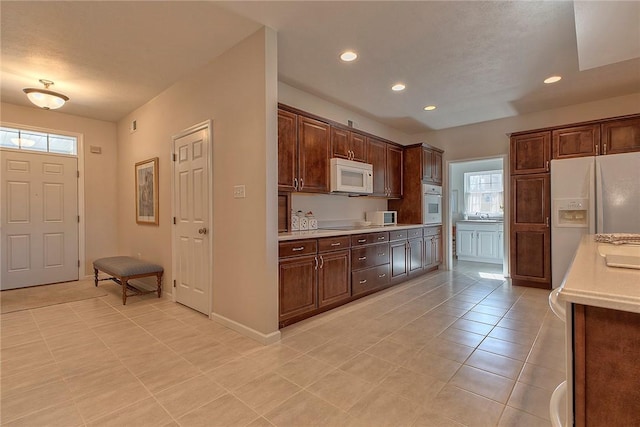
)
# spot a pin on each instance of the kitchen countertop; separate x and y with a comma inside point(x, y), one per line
point(591, 282)
point(314, 234)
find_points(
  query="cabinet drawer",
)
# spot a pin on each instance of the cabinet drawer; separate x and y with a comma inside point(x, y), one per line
point(369, 238)
point(333, 243)
point(297, 247)
point(414, 233)
point(432, 231)
point(369, 279)
point(398, 235)
point(369, 256)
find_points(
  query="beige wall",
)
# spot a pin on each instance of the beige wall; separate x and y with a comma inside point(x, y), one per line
point(100, 172)
point(490, 138)
point(238, 92)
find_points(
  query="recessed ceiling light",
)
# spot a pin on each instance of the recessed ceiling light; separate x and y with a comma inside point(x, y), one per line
point(552, 79)
point(398, 87)
point(430, 108)
point(348, 56)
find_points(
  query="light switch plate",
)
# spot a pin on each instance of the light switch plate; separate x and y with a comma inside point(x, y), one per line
point(239, 192)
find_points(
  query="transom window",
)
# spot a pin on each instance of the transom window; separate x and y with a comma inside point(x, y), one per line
point(484, 193)
point(29, 140)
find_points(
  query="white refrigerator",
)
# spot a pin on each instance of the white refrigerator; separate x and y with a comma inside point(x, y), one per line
point(591, 195)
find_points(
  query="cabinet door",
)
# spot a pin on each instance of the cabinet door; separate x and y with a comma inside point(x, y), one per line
point(394, 171)
point(314, 145)
point(486, 244)
point(416, 256)
point(621, 136)
point(530, 200)
point(377, 156)
point(340, 144)
point(399, 261)
point(530, 153)
point(287, 150)
point(437, 167)
point(427, 165)
point(579, 141)
point(334, 277)
point(297, 286)
point(437, 249)
point(531, 257)
point(500, 244)
point(465, 242)
point(428, 256)
point(358, 147)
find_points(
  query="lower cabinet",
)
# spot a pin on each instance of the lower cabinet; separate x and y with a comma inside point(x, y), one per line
point(406, 254)
point(298, 286)
point(432, 257)
point(370, 268)
point(333, 277)
point(478, 241)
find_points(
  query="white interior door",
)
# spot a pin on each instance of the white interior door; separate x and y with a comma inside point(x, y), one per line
point(191, 207)
point(39, 212)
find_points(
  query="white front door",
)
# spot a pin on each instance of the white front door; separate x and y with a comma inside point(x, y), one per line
point(39, 212)
point(191, 207)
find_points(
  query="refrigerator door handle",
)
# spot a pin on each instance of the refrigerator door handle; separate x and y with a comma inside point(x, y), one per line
point(599, 200)
point(592, 199)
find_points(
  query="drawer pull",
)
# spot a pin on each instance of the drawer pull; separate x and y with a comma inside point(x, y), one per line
point(336, 244)
point(362, 258)
point(381, 254)
point(298, 249)
point(381, 238)
point(362, 240)
point(382, 275)
point(363, 281)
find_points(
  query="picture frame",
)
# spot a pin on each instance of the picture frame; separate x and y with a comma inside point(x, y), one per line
point(146, 173)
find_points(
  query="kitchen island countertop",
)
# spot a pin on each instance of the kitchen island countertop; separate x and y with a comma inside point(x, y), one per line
point(314, 234)
point(591, 282)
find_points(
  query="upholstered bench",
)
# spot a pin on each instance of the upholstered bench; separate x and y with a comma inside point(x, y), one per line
point(124, 268)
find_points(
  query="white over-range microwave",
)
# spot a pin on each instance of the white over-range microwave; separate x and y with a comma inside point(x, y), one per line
point(351, 177)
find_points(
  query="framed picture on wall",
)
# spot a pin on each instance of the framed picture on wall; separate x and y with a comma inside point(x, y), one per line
point(147, 191)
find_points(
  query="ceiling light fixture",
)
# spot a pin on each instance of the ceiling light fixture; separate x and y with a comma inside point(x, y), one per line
point(45, 98)
point(552, 79)
point(397, 87)
point(430, 108)
point(348, 56)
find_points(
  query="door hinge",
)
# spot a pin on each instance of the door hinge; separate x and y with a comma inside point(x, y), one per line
point(174, 157)
point(78, 218)
point(78, 263)
point(174, 220)
point(174, 283)
point(78, 174)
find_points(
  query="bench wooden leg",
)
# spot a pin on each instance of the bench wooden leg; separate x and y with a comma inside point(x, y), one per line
point(95, 275)
point(159, 278)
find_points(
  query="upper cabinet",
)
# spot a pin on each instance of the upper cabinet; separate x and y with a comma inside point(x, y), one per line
point(431, 166)
point(577, 141)
point(387, 161)
point(348, 145)
point(621, 136)
point(287, 151)
point(530, 153)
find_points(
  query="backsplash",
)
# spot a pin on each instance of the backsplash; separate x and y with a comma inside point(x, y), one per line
point(329, 207)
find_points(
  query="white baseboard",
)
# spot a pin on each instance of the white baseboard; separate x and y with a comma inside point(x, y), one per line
point(264, 339)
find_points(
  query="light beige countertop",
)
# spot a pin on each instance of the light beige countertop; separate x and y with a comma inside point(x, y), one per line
point(591, 282)
point(314, 234)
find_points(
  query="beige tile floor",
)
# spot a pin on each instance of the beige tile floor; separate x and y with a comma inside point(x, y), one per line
point(453, 348)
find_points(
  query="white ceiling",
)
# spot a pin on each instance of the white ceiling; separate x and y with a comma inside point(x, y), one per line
point(476, 60)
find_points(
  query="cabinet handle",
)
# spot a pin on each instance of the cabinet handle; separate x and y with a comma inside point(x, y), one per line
point(301, 184)
point(336, 244)
point(381, 254)
point(547, 165)
point(362, 258)
point(321, 261)
point(298, 249)
point(382, 275)
point(547, 222)
point(363, 281)
point(597, 149)
point(362, 240)
point(295, 184)
point(604, 148)
point(316, 258)
point(381, 238)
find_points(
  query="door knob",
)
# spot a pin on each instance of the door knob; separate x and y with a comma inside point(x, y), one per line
point(202, 231)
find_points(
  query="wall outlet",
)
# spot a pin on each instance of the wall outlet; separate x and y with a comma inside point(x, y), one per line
point(239, 192)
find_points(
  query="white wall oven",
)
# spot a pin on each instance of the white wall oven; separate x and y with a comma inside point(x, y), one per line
point(432, 209)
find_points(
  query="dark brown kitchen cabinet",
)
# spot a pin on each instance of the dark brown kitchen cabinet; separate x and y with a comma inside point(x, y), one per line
point(334, 277)
point(287, 150)
point(605, 377)
point(314, 150)
point(530, 153)
point(577, 141)
point(399, 270)
point(298, 290)
point(530, 242)
point(387, 161)
point(431, 165)
point(415, 256)
point(432, 257)
point(621, 136)
point(348, 145)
